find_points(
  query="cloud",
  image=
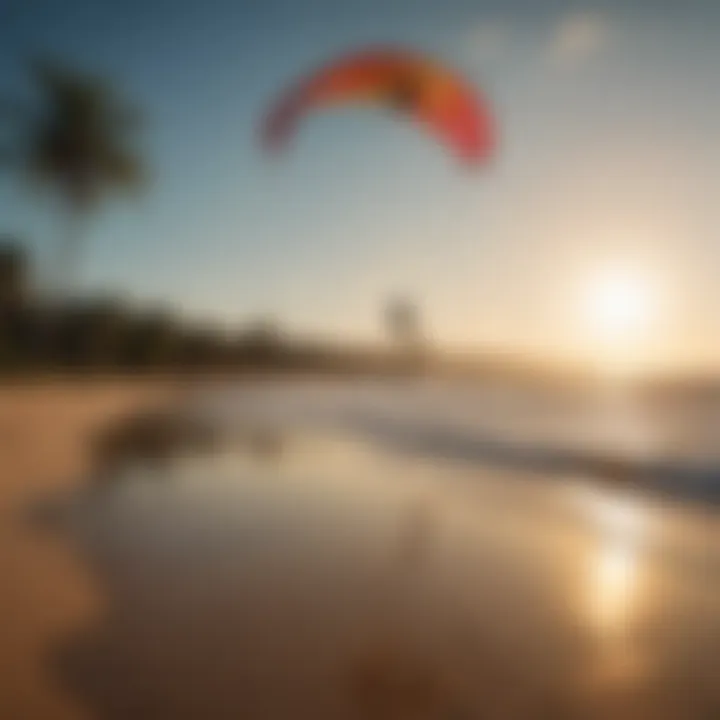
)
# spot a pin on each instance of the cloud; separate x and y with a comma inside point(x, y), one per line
point(573, 39)
point(577, 37)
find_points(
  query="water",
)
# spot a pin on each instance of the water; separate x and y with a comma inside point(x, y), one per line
point(409, 550)
point(667, 443)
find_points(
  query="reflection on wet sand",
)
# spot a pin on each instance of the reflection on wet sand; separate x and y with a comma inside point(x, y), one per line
point(346, 582)
point(614, 562)
point(612, 590)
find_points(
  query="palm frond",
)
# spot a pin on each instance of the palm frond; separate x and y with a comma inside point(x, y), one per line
point(82, 142)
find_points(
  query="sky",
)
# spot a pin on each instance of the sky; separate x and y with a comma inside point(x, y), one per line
point(608, 166)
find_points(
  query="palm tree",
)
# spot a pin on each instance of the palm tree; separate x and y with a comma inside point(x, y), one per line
point(402, 321)
point(404, 327)
point(13, 274)
point(79, 145)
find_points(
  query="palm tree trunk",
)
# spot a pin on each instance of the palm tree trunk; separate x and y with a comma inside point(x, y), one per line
point(70, 254)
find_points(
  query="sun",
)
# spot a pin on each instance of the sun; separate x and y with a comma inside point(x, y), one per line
point(619, 306)
point(619, 303)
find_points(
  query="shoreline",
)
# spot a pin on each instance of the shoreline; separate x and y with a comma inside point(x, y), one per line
point(201, 598)
point(45, 426)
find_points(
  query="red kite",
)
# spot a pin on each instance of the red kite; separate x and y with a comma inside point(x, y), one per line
point(411, 84)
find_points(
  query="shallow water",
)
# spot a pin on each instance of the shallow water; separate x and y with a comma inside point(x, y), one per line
point(667, 442)
point(355, 574)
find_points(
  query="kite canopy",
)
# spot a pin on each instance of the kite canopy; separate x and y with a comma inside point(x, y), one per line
point(411, 84)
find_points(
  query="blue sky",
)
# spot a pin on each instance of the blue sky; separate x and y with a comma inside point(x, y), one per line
point(609, 115)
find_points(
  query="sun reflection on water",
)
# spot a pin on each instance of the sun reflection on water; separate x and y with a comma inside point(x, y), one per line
point(613, 587)
point(615, 559)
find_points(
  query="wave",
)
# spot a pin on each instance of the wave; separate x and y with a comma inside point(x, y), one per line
point(669, 450)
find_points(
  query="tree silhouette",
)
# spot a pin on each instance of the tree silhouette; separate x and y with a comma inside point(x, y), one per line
point(403, 322)
point(404, 327)
point(13, 274)
point(78, 145)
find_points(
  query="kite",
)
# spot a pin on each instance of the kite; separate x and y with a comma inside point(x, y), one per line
point(411, 84)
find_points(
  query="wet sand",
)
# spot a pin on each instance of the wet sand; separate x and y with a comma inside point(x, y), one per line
point(336, 578)
point(45, 591)
point(338, 582)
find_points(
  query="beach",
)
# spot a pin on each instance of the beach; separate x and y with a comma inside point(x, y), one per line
point(45, 428)
point(342, 556)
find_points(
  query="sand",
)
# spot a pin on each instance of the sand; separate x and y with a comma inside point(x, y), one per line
point(45, 591)
point(343, 579)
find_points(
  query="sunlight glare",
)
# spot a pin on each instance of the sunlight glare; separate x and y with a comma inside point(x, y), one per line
point(619, 303)
point(619, 306)
point(615, 562)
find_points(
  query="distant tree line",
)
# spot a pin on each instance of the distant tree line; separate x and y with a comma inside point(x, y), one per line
point(87, 335)
point(99, 334)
